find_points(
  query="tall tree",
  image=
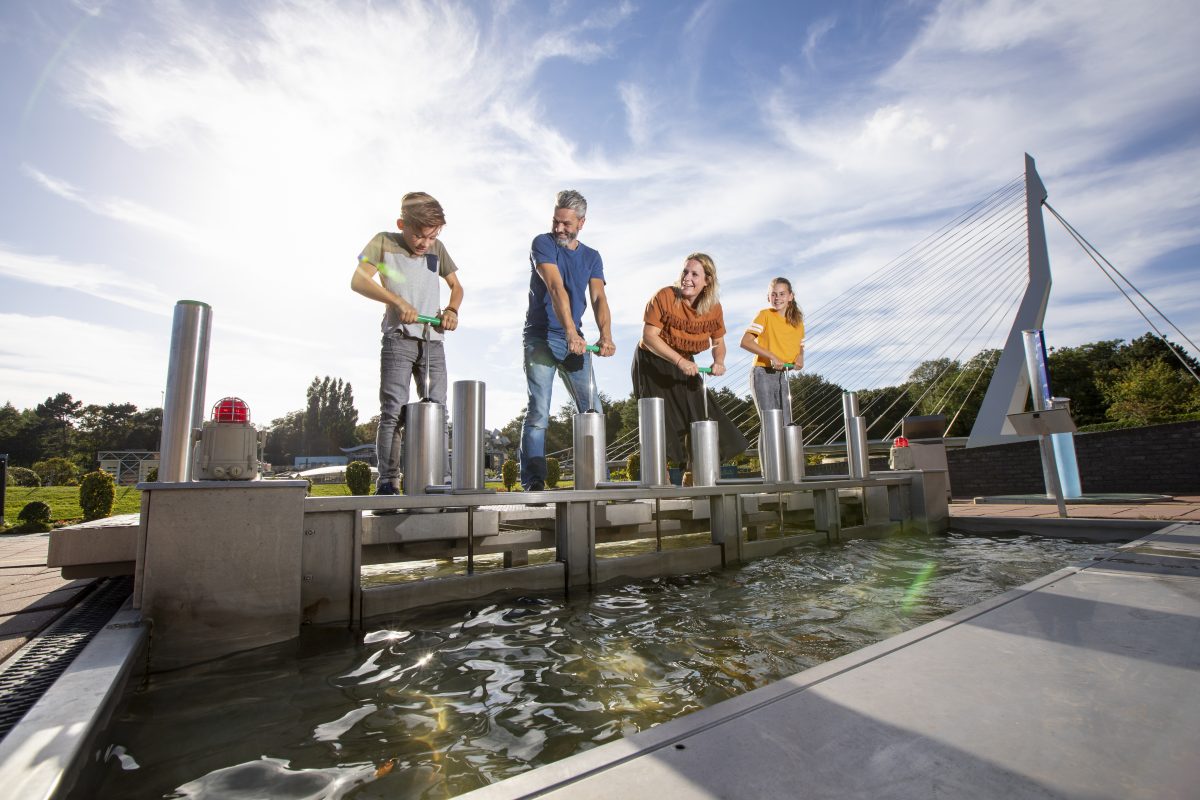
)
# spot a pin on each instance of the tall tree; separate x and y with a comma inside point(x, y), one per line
point(58, 415)
point(1152, 391)
point(20, 434)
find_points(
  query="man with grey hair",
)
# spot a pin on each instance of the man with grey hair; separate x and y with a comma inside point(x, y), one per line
point(565, 274)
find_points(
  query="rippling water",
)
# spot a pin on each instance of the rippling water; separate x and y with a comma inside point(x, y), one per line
point(445, 700)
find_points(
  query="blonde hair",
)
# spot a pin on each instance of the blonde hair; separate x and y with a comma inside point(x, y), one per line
point(792, 314)
point(708, 295)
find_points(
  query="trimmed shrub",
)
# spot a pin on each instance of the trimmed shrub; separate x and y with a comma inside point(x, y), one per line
point(553, 473)
point(152, 475)
point(509, 473)
point(633, 466)
point(358, 477)
point(618, 474)
point(34, 518)
point(57, 471)
point(96, 495)
point(23, 476)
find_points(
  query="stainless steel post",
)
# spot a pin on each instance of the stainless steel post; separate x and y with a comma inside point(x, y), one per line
point(706, 458)
point(187, 375)
point(771, 448)
point(466, 460)
point(588, 442)
point(652, 439)
point(860, 464)
point(424, 459)
point(849, 412)
point(1039, 386)
point(793, 443)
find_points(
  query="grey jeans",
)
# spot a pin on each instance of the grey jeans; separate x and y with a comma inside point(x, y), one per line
point(403, 359)
point(769, 390)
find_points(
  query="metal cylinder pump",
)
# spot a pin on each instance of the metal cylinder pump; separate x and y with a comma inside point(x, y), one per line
point(187, 374)
point(771, 447)
point(467, 441)
point(652, 440)
point(706, 457)
point(588, 441)
point(424, 459)
point(793, 442)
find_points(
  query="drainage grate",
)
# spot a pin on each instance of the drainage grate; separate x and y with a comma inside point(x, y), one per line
point(27, 677)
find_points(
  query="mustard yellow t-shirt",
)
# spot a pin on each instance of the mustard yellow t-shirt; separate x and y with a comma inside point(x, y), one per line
point(772, 331)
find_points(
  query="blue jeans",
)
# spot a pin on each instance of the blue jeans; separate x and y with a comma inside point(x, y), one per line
point(543, 359)
point(402, 359)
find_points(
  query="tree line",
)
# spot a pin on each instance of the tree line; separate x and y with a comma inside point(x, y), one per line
point(1110, 381)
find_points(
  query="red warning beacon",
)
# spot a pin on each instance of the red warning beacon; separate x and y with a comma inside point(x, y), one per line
point(228, 447)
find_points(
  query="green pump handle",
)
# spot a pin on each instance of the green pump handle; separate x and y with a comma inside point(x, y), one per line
point(429, 320)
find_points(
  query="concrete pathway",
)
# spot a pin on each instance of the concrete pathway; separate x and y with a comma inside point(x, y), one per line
point(1181, 509)
point(32, 595)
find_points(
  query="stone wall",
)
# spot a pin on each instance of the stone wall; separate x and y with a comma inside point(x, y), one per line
point(1162, 459)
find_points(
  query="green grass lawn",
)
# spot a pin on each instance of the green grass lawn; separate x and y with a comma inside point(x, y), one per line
point(64, 500)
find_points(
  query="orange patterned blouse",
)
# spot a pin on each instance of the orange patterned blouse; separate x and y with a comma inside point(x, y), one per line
point(684, 330)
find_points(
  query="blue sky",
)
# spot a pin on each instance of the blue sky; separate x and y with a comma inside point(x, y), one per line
point(242, 154)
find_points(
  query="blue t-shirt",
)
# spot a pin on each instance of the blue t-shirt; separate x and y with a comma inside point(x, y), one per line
point(577, 268)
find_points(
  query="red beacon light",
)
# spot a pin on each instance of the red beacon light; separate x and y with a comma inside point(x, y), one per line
point(228, 447)
point(900, 442)
point(231, 409)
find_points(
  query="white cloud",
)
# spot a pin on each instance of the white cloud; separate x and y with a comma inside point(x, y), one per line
point(116, 208)
point(291, 136)
point(98, 280)
point(94, 363)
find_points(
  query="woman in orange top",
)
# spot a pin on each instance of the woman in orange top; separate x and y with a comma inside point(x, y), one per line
point(682, 321)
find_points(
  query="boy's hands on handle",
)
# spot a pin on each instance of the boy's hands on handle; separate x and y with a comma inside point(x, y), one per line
point(408, 314)
point(576, 344)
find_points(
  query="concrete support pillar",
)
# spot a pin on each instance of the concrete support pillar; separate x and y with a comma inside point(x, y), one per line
point(899, 505)
point(827, 513)
point(726, 521)
point(219, 567)
point(575, 537)
point(930, 511)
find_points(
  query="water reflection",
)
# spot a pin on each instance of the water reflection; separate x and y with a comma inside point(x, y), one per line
point(436, 703)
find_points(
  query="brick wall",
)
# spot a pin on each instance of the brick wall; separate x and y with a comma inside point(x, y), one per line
point(1163, 459)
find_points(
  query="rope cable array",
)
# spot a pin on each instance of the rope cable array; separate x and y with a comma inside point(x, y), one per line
point(953, 289)
point(1097, 257)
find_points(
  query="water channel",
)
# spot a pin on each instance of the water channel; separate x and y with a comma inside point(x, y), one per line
point(438, 702)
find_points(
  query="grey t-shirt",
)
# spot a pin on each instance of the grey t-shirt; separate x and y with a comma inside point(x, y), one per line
point(417, 279)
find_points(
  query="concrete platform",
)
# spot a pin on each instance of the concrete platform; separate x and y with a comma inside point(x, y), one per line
point(1084, 683)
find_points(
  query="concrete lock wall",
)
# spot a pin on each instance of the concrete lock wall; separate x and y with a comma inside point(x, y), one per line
point(224, 567)
point(1155, 458)
point(219, 567)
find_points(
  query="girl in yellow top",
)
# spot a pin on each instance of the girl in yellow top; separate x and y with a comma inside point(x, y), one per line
point(777, 337)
